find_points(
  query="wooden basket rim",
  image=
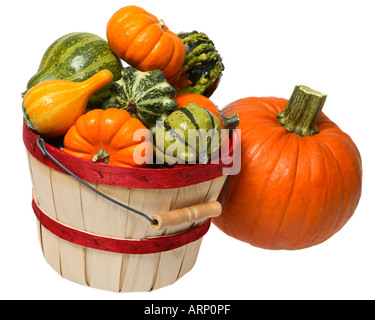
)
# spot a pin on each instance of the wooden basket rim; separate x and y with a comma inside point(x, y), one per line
point(130, 177)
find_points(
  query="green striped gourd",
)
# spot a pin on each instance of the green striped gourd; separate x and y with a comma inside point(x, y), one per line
point(145, 95)
point(77, 57)
point(189, 135)
point(203, 67)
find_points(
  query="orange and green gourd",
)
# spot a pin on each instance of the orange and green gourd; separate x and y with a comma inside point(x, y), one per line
point(51, 107)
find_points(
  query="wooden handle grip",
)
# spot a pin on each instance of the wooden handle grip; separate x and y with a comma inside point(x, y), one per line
point(186, 215)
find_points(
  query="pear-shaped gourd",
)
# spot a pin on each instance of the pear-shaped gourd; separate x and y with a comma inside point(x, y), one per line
point(52, 107)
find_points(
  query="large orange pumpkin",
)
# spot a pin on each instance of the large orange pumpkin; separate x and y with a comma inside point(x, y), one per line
point(109, 136)
point(301, 176)
point(145, 42)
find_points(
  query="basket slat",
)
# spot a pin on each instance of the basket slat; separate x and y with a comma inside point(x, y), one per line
point(193, 248)
point(108, 219)
point(170, 262)
point(42, 193)
point(190, 258)
point(67, 201)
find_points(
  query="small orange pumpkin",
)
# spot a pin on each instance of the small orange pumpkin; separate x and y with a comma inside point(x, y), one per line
point(145, 42)
point(108, 136)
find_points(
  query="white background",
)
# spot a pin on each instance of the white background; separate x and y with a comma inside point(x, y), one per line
point(268, 47)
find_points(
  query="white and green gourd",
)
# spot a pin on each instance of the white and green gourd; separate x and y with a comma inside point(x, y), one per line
point(147, 96)
point(175, 142)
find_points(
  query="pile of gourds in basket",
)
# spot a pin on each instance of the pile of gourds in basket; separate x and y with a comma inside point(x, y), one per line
point(130, 164)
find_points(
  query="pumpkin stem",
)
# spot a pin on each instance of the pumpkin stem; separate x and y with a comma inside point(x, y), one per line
point(231, 122)
point(101, 156)
point(303, 108)
point(161, 24)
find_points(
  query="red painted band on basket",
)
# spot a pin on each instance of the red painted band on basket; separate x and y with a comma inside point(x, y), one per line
point(128, 177)
point(117, 245)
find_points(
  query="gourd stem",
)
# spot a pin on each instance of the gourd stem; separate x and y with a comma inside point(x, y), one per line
point(301, 112)
point(101, 156)
point(132, 107)
point(231, 122)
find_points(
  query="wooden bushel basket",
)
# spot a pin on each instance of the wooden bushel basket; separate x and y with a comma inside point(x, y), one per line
point(95, 242)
